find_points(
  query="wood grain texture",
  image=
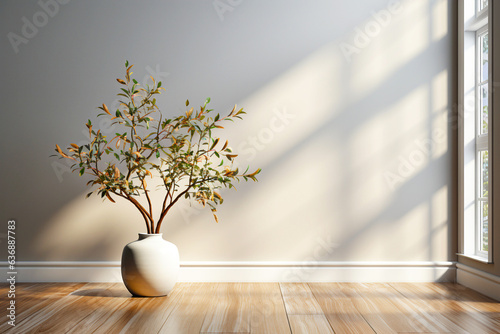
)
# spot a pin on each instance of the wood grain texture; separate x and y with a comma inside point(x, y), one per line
point(254, 308)
point(155, 311)
point(40, 321)
point(427, 305)
point(117, 299)
point(444, 300)
point(229, 310)
point(309, 324)
point(384, 308)
point(299, 299)
point(268, 310)
point(188, 314)
point(339, 309)
point(35, 299)
point(87, 300)
point(471, 298)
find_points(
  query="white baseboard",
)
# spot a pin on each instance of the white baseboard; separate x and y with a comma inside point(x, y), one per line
point(478, 280)
point(422, 271)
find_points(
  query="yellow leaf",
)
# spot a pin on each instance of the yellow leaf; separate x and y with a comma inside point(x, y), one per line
point(62, 153)
point(75, 146)
point(225, 145)
point(121, 81)
point(255, 173)
point(117, 173)
point(106, 108)
point(59, 150)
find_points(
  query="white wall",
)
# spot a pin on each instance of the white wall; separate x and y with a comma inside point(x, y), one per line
point(355, 147)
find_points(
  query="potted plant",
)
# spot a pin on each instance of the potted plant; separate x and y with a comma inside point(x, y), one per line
point(183, 154)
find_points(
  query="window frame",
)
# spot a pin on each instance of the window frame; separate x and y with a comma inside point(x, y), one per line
point(481, 142)
point(473, 23)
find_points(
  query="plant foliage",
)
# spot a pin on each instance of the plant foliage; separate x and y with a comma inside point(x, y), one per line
point(184, 152)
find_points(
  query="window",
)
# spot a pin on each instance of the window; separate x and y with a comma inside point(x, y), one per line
point(475, 134)
point(482, 184)
point(482, 4)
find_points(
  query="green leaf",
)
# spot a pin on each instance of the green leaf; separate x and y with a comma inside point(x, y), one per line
point(208, 100)
point(126, 63)
point(187, 103)
point(216, 118)
point(159, 84)
point(82, 171)
point(135, 81)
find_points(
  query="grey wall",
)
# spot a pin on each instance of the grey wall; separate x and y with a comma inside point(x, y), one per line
point(355, 147)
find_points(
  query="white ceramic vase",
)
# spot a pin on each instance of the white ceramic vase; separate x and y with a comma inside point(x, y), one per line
point(150, 266)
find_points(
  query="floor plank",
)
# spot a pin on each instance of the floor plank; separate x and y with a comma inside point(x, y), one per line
point(119, 318)
point(471, 298)
point(441, 300)
point(383, 308)
point(310, 324)
point(268, 310)
point(339, 309)
point(118, 299)
point(230, 310)
point(188, 314)
point(299, 299)
point(421, 302)
point(39, 320)
point(35, 298)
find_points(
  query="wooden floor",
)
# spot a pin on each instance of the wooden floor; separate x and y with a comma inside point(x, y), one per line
point(253, 308)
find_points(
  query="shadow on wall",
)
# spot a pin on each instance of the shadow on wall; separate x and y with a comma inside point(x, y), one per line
point(355, 152)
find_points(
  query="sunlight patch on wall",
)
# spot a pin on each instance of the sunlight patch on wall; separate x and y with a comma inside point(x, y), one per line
point(290, 108)
point(439, 19)
point(440, 114)
point(89, 229)
point(390, 50)
point(292, 197)
point(439, 230)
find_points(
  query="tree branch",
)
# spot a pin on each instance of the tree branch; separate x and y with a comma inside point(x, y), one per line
point(141, 208)
point(138, 206)
point(149, 203)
